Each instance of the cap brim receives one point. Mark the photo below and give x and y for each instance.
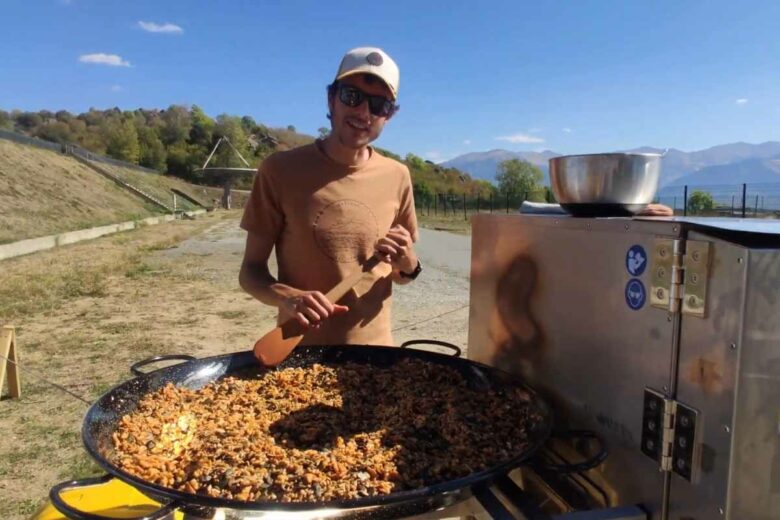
(371, 72)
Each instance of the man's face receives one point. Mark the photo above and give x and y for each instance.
(355, 127)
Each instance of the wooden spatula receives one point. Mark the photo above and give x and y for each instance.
(274, 347)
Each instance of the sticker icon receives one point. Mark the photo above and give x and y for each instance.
(635, 294)
(636, 260)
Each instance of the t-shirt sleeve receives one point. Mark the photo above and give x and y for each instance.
(407, 217)
(263, 212)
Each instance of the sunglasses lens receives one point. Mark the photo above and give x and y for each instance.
(379, 106)
(351, 97)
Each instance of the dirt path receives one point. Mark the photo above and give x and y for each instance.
(84, 313)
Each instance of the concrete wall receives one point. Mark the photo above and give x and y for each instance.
(33, 245)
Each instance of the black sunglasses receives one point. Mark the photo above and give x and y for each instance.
(379, 106)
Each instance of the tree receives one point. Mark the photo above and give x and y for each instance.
(122, 140)
(423, 194)
(6, 123)
(516, 177)
(230, 127)
(415, 162)
(176, 125)
(699, 202)
(151, 150)
(202, 129)
(291, 128)
(323, 131)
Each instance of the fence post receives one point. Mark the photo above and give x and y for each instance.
(674, 204)
(435, 204)
(465, 217)
(685, 201)
(507, 202)
(732, 206)
(744, 199)
(479, 196)
(491, 202)
(755, 213)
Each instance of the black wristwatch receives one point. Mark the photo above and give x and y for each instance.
(414, 274)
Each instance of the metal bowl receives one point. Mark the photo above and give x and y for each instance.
(605, 184)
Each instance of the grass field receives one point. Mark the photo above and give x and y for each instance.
(84, 313)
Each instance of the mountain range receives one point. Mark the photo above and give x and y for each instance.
(734, 163)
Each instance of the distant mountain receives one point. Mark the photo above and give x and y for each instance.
(484, 165)
(728, 163)
(751, 171)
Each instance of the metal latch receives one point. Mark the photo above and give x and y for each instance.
(680, 271)
(669, 434)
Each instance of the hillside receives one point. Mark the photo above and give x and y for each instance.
(44, 192)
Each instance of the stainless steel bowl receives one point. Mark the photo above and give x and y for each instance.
(605, 184)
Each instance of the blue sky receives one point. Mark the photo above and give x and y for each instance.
(574, 77)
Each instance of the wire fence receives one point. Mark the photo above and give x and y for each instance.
(68, 148)
(738, 200)
(757, 200)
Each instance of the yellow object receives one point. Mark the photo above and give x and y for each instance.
(113, 499)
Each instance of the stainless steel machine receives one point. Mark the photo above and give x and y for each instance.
(663, 335)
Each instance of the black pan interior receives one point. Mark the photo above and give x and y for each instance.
(102, 418)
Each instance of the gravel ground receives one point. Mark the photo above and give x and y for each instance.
(442, 287)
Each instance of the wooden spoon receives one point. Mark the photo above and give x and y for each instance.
(275, 346)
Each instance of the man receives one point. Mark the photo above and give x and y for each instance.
(330, 206)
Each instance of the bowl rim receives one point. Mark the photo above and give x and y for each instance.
(608, 154)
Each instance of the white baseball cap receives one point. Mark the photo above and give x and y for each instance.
(371, 60)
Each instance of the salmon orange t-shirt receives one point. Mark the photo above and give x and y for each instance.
(325, 218)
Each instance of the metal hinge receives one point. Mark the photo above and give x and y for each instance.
(680, 271)
(669, 434)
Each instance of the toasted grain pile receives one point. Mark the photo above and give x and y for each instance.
(322, 433)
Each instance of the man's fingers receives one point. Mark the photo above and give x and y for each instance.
(399, 239)
(302, 319)
(313, 305)
(324, 302)
(340, 309)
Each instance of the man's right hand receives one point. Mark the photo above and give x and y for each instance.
(310, 308)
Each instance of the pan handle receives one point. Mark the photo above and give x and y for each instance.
(55, 495)
(136, 366)
(456, 349)
(579, 467)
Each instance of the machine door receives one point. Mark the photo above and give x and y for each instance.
(729, 371)
(564, 302)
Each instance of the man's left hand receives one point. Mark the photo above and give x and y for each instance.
(395, 248)
(657, 210)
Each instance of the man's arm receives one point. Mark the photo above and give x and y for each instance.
(308, 307)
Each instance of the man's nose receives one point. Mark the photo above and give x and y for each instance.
(362, 109)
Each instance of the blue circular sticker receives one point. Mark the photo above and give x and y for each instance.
(636, 260)
(635, 294)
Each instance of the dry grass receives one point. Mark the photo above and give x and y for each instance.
(159, 186)
(84, 314)
(43, 193)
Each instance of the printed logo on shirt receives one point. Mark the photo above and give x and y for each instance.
(346, 230)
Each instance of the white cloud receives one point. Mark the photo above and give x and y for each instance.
(467, 142)
(116, 88)
(742, 101)
(520, 139)
(160, 28)
(567, 130)
(104, 59)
